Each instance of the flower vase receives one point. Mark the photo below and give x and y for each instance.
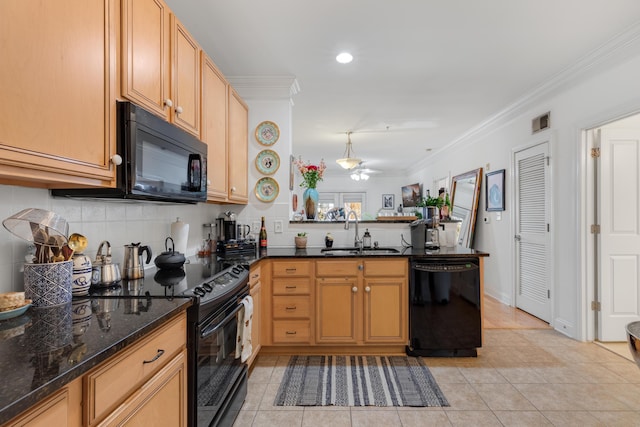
(310, 202)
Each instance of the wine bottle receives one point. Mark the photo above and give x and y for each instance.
(263, 235)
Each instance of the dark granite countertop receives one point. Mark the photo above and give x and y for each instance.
(316, 252)
(46, 348)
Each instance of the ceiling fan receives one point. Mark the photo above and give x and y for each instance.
(360, 173)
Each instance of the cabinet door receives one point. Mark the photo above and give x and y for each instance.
(57, 85)
(256, 294)
(338, 313)
(185, 75)
(214, 129)
(145, 54)
(161, 401)
(238, 146)
(385, 310)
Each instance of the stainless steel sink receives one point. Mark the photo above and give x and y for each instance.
(357, 251)
(380, 251)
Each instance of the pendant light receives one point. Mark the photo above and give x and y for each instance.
(348, 162)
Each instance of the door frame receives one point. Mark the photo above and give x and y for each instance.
(549, 137)
(585, 203)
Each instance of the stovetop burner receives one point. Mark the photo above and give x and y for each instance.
(208, 279)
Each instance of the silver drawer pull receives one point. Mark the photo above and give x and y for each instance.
(290, 308)
(158, 356)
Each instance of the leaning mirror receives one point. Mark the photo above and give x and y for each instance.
(465, 194)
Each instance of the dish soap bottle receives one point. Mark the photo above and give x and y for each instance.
(366, 239)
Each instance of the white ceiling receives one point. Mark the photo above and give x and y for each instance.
(424, 71)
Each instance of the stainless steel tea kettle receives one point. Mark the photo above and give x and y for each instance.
(104, 272)
(133, 267)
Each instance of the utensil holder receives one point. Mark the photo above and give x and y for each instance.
(48, 285)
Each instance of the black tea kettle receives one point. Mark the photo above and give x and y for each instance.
(170, 259)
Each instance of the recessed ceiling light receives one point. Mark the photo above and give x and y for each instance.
(344, 58)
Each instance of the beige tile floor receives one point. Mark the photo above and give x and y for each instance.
(522, 377)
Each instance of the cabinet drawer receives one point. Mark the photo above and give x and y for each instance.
(254, 276)
(291, 286)
(337, 268)
(291, 331)
(289, 307)
(291, 268)
(114, 380)
(394, 267)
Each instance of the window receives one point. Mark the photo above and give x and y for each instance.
(334, 206)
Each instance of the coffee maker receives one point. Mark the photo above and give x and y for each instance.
(425, 232)
(230, 240)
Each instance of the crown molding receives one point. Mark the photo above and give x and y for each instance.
(266, 87)
(622, 46)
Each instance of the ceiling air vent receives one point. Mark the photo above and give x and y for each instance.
(540, 123)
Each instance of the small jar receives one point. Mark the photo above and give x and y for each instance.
(328, 240)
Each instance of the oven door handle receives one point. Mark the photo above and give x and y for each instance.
(210, 331)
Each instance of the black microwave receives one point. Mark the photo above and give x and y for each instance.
(160, 162)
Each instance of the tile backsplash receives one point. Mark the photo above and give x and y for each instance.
(118, 222)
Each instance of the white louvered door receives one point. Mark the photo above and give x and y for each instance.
(618, 207)
(532, 234)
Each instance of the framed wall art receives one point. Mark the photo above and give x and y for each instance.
(388, 201)
(494, 190)
(411, 195)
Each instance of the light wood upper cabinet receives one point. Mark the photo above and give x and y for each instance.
(185, 73)
(160, 63)
(238, 134)
(57, 83)
(214, 129)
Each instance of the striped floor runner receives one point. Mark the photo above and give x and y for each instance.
(358, 381)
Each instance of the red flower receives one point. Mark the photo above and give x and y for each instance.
(312, 168)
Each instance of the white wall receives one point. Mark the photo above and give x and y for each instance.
(605, 89)
(118, 222)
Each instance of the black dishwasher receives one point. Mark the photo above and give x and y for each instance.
(444, 307)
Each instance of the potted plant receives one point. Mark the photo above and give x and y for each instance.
(430, 205)
(301, 240)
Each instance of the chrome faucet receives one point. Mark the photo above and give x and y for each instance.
(356, 241)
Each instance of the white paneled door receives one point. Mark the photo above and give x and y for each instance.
(618, 210)
(532, 237)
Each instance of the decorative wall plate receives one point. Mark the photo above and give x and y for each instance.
(267, 189)
(267, 133)
(268, 162)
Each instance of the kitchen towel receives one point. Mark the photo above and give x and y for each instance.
(245, 317)
(358, 381)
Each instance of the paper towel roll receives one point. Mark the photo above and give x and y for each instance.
(180, 234)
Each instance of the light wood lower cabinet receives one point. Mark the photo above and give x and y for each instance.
(256, 294)
(291, 302)
(125, 374)
(62, 408)
(361, 301)
(161, 401)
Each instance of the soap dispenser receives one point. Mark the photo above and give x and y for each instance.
(366, 239)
